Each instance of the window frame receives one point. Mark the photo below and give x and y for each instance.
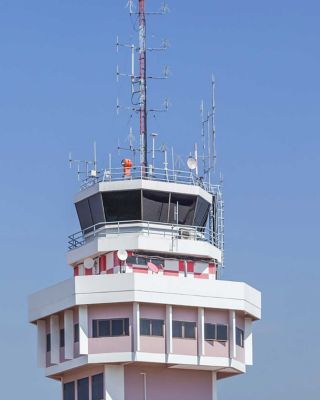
(240, 332)
(183, 330)
(151, 320)
(210, 324)
(217, 333)
(125, 327)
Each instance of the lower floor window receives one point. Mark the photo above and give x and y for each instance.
(151, 327)
(110, 327)
(183, 329)
(97, 387)
(239, 337)
(222, 332)
(68, 391)
(83, 389)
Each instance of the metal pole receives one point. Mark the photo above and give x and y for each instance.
(144, 385)
(143, 87)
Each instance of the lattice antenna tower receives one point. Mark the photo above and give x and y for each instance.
(208, 136)
(140, 78)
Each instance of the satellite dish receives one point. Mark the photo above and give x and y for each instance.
(122, 255)
(192, 163)
(88, 263)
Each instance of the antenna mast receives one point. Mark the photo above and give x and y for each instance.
(143, 86)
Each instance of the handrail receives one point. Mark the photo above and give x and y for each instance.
(157, 174)
(174, 231)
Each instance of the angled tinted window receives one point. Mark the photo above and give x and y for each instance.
(83, 389)
(84, 214)
(209, 331)
(96, 208)
(155, 206)
(68, 391)
(117, 327)
(201, 214)
(222, 332)
(122, 206)
(97, 387)
(182, 206)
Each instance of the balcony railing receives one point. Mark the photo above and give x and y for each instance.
(140, 172)
(146, 228)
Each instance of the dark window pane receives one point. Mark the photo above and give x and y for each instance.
(116, 327)
(83, 389)
(239, 337)
(132, 260)
(84, 214)
(201, 213)
(95, 328)
(155, 206)
(222, 332)
(96, 208)
(122, 205)
(186, 206)
(177, 329)
(126, 326)
(97, 387)
(61, 337)
(145, 327)
(68, 391)
(76, 333)
(209, 331)
(157, 327)
(103, 327)
(159, 262)
(189, 330)
(48, 342)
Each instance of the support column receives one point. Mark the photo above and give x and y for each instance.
(136, 327)
(42, 343)
(200, 331)
(83, 329)
(232, 334)
(68, 335)
(54, 339)
(248, 341)
(114, 382)
(214, 386)
(168, 329)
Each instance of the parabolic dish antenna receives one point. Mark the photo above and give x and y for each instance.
(122, 255)
(192, 163)
(88, 263)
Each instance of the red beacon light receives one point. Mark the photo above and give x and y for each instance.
(127, 165)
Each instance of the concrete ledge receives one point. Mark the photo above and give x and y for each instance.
(157, 289)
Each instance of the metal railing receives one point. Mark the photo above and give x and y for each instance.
(140, 172)
(147, 228)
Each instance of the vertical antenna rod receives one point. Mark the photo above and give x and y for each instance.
(143, 86)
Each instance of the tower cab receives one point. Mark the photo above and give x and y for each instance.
(156, 221)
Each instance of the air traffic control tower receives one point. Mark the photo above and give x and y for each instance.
(146, 314)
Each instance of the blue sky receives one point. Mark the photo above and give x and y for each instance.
(57, 93)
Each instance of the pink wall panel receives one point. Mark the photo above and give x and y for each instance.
(152, 344)
(169, 384)
(110, 344)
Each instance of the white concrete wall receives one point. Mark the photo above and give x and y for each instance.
(68, 335)
(114, 382)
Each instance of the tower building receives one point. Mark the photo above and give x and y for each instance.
(146, 314)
